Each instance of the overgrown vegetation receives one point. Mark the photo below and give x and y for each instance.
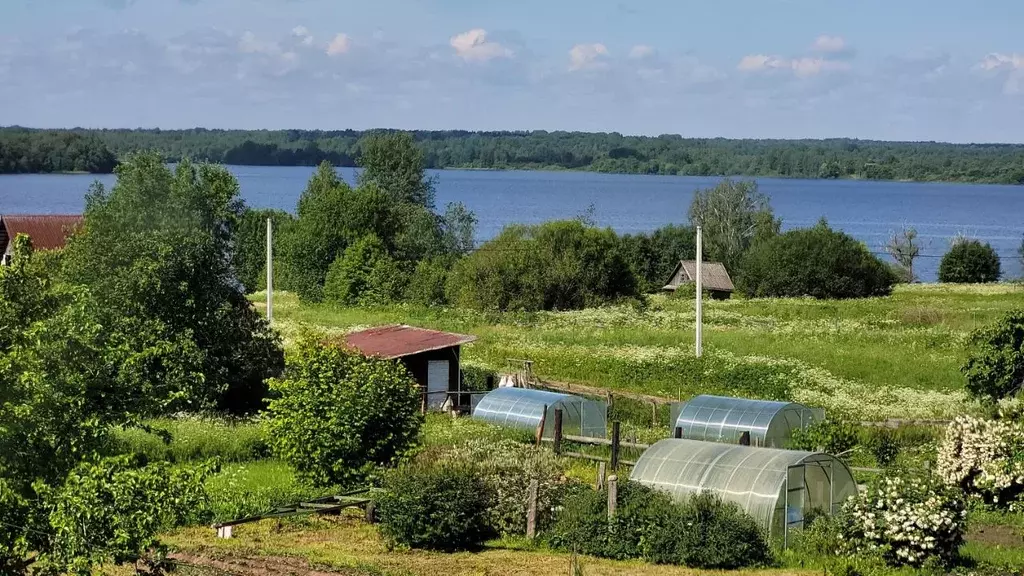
(995, 367)
(970, 262)
(818, 262)
(338, 415)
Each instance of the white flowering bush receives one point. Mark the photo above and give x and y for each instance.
(905, 520)
(985, 458)
(508, 467)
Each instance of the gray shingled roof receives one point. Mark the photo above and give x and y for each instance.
(713, 276)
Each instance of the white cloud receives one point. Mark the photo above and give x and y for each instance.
(250, 44)
(472, 46)
(641, 51)
(341, 44)
(829, 44)
(801, 67)
(303, 34)
(999, 61)
(583, 56)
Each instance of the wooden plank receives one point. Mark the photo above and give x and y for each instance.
(615, 446)
(613, 495)
(531, 510)
(599, 442)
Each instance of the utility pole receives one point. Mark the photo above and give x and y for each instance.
(700, 292)
(270, 271)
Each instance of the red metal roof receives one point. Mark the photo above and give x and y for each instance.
(399, 341)
(47, 232)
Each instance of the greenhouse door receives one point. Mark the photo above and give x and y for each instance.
(437, 382)
(796, 487)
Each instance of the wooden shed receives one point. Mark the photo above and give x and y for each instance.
(47, 231)
(714, 278)
(432, 357)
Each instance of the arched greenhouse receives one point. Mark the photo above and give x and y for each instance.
(523, 408)
(777, 487)
(723, 419)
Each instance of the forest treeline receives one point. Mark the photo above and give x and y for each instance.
(600, 152)
(44, 151)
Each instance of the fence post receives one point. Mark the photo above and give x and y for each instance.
(615, 446)
(558, 431)
(678, 432)
(600, 475)
(371, 513)
(490, 382)
(654, 413)
(531, 510)
(613, 494)
(610, 401)
(745, 438)
(540, 427)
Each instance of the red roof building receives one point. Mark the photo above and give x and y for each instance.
(432, 357)
(48, 232)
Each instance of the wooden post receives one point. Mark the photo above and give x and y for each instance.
(558, 431)
(654, 413)
(600, 475)
(613, 494)
(678, 432)
(531, 510)
(540, 427)
(745, 438)
(371, 513)
(610, 401)
(615, 446)
(490, 381)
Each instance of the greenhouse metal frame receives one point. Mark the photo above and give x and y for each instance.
(724, 419)
(778, 488)
(524, 407)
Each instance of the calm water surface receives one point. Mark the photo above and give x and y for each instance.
(869, 211)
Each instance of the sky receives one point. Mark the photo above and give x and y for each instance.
(945, 70)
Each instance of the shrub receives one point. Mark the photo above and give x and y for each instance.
(701, 532)
(508, 467)
(831, 436)
(653, 256)
(906, 520)
(970, 262)
(818, 262)
(884, 446)
(340, 414)
(984, 458)
(706, 532)
(562, 265)
(426, 286)
(365, 275)
(111, 512)
(434, 506)
(995, 367)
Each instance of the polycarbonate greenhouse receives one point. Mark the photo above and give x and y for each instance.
(523, 407)
(722, 419)
(777, 487)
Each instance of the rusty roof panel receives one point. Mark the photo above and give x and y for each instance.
(401, 340)
(47, 232)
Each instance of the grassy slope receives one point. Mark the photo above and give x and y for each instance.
(870, 359)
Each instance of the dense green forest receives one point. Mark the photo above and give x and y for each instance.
(601, 152)
(34, 151)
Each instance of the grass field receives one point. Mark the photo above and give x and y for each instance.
(894, 357)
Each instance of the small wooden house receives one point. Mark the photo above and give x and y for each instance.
(431, 357)
(714, 278)
(47, 232)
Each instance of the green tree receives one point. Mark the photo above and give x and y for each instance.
(393, 162)
(995, 367)
(331, 216)
(654, 256)
(818, 262)
(338, 415)
(364, 275)
(251, 249)
(970, 262)
(561, 265)
(157, 253)
(427, 283)
(458, 228)
(732, 215)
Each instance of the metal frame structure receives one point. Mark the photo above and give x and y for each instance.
(724, 419)
(526, 407)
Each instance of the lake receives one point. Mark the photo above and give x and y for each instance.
(868, 210)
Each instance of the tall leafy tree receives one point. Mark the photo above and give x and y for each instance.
(157, 253)
(733, 216)
(394, 163)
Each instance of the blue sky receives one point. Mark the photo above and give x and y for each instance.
(894, 69)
